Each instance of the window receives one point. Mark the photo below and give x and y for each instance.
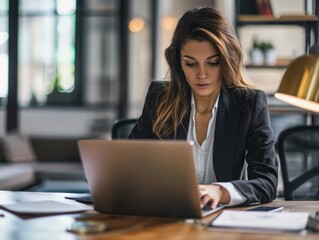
(46, 52)
(66, 56)
(3, 49)
(69, 53)
(140, 55)
(99, 23)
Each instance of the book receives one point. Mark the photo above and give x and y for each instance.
(264, 7)
(283, 221)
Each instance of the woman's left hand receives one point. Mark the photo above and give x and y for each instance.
(213, 195)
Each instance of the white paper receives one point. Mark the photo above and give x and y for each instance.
(45, 207)
(291, 221)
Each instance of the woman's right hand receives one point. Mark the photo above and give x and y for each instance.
(213, 195)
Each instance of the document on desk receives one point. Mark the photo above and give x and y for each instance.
(45, 207)
(286, 221)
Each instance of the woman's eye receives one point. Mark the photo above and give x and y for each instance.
(213, 63)
(190, 64)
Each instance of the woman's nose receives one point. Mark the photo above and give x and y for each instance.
(201, 74)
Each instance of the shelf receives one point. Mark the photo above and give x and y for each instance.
(283, 20)
(266, 66)
(281, 63)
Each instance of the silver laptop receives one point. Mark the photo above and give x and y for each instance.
(135, 177)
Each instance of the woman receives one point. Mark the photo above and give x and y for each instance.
(209, 101)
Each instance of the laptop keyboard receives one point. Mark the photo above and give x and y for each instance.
(207, 210)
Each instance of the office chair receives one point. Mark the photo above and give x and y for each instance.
(122, 128)
(298, 150)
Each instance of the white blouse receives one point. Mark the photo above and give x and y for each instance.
(203, 155)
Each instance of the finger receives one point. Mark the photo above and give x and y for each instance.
(204, 200)
(214, 203)
(203, 192)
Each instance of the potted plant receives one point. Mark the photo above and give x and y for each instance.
(256, 54)
(269, 52)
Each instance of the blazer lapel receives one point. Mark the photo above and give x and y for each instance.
(225, 135)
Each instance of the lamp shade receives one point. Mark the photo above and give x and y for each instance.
(300, 83)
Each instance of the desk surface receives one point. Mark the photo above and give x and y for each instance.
(14, 226)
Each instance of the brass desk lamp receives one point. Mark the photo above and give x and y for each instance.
(300, 83)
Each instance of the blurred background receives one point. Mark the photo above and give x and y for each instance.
(78, 65)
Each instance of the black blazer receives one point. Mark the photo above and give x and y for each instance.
(242, 132)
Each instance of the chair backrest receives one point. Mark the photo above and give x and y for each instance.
(298, 150)
(122, 128)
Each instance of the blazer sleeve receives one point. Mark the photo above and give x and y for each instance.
(262, 163)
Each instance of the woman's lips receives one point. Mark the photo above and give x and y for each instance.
(202, 85)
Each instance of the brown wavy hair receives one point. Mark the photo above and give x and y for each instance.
(201, 24)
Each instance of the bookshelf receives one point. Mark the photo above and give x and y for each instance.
(249, 21)
(249, 14)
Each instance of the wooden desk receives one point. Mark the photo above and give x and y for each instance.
(127, 227)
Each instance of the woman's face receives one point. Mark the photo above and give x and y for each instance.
(201, 65)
